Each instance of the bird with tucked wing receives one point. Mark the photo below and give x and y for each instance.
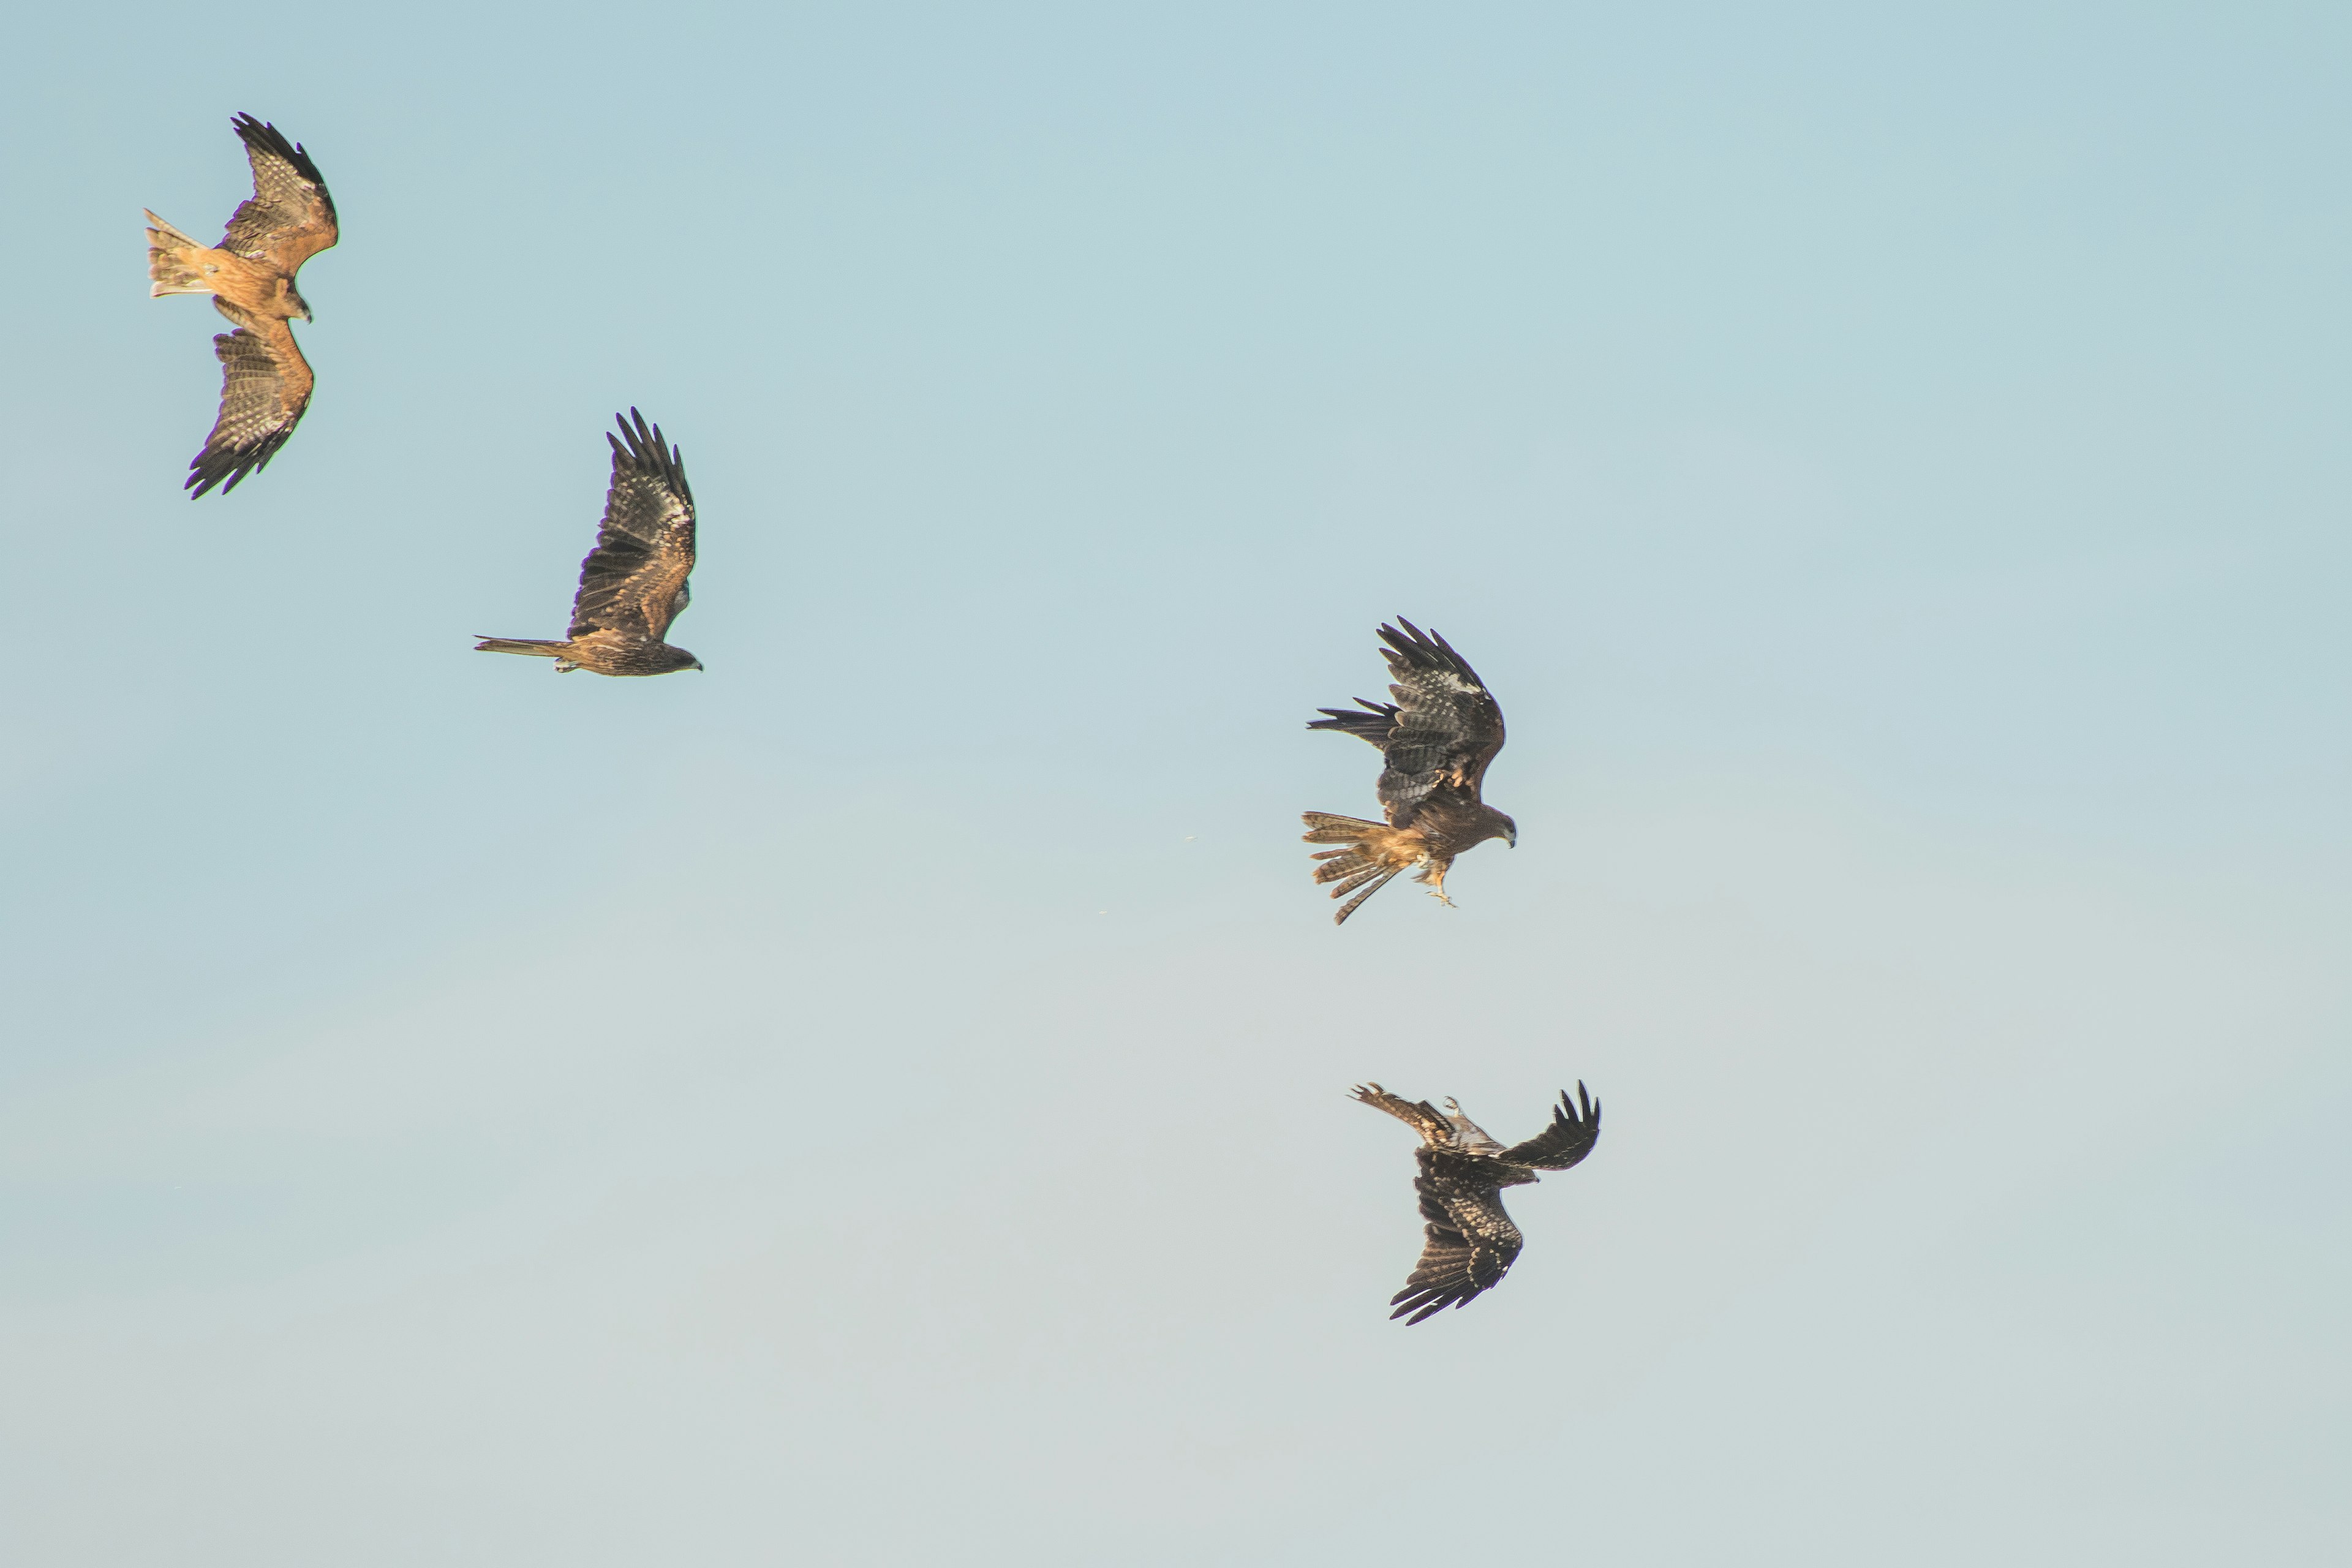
(633, 584)
(1435, 740)
(1469, 1243)
(265, 381)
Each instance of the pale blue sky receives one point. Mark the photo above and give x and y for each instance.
(883, 1099)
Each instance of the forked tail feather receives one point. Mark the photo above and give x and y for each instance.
(534, 647)
(169, 270)
(1349, 908)
(1351, 866)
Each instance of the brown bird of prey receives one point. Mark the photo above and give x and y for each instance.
(633, 585)
(265, 381)
(1435, 741)
(1470, 1242)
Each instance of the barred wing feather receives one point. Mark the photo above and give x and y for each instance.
(265, 386)
(290, 218)
(635, 579)
(1447, 726)
(1467, 1245)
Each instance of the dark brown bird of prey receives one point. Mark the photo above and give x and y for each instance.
(633, 585)
(1470, 1242)
(1435, 741)
(265, 381)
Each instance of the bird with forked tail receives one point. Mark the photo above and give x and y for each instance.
(1435, 740)
(265, 381)
(633, 584)
(1468, 1243)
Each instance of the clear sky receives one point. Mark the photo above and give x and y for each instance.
(884, 1100)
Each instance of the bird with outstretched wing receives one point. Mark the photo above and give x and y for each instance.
(1468, 1241)
(633, 584)
(1435, 741)
(265, 381)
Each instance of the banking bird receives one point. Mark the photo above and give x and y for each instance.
(1435, 741)
(633, 585)
(1469, 1243)
(265, 381)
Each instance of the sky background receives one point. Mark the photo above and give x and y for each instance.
(884, 1100)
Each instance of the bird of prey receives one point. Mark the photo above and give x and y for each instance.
(265, 381)
(633, 585)
(1470, 1242)
(1435, 741)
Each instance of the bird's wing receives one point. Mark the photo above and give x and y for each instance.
(1373, 724)
(1468, 1243)
(1447, 726)
(290, 218)
(265, 386)
(635, 580)
(1569, 1138)
(1418, 1114)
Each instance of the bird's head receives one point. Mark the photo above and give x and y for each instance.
(299, 306)
(1507, 830)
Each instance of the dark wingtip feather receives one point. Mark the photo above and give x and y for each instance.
(645, 452)
(1348, 722)
(233, 464)
(254, 132)
(1427, 649)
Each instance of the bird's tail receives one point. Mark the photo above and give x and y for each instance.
(1325, 827)
(175, 263)
(530, 646)
(1360, 863)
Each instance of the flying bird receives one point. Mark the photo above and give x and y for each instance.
(633, 585)
(264, 380)
(1470, 1242)
(1435, 740)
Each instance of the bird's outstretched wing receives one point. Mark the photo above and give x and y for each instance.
(1468, 1243)
(290, 218)
(265, 387)
(1418, 1114)
(1447, 726)
(635, 580)
(1569, 1138)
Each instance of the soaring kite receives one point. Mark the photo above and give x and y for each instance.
(1470, 1242)
(265, 381)
(633, 585)
(1435, 741)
